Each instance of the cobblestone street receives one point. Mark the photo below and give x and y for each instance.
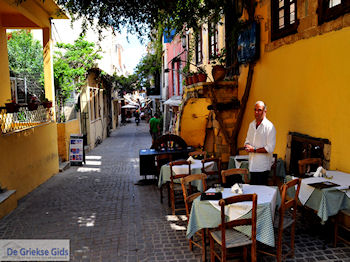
(109, 218)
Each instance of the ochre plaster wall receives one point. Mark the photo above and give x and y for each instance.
(306, 88)
(5, 90)
(64, 130)
(28, 158)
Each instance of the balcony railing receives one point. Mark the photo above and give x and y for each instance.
(23, 119)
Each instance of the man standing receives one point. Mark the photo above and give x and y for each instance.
(260, 143)
(154, 127)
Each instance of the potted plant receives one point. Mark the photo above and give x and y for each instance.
(202, 75)
(46, 103)
(218, 61)
(33, 104)
(12, 107)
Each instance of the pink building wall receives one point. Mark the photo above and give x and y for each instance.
(175, 50)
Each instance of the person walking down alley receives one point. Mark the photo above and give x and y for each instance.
(260, 143)
(154, 127)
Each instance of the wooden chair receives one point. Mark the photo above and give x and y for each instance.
(274, 170)
(286, 218)
(237, 172)
(198, 154)
(189, 197)
(162, 159)
(175, 189)
(342, 220)
(212, 173)
(227, 237)
(307, 162)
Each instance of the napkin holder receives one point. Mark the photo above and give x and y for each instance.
(211, 196)
(191, 159)
(321, 172)
(237, 189)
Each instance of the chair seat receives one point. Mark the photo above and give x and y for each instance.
(233, 238)
(287, 221)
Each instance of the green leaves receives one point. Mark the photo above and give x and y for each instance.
(71, 64)
(26, 57)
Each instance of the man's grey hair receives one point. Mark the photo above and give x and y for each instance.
(261, 103)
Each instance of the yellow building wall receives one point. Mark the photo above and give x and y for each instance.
(194, 120)
(305, 86)
(64, 130)
(5, 90)
(28, 158)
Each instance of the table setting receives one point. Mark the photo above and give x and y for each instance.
(206, 213)
(326, 192)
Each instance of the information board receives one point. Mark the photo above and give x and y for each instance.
(76, 149)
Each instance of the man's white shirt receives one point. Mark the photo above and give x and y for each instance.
(263, 136)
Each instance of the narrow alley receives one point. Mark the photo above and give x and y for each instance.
(98, 207)
(109, 218)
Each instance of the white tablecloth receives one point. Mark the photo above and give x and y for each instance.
(183, 169)
(265, 195)
(340, 178)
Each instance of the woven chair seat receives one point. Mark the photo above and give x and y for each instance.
(287, 221)
(233, 238)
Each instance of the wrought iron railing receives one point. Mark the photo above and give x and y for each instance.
(24, 118)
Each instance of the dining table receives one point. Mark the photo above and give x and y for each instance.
(196, 168)
(206, 213)
(326, 195)
(242, 161)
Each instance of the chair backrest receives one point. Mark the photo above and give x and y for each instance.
(187, 192)
(274, 169)
(240, 221)
(235, 171)
(212, 172)
(173, 175)
(288, 203)
(163, 159)
(198, 154)
(308, 161)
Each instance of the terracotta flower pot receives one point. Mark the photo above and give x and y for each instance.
(32, 106)
(202, 77)
(47, 104)
(12, 107)
(218, 72)
(195, 78)
(190, 80)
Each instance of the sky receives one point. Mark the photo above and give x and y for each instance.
(133, 50)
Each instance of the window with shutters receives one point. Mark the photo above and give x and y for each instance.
(283, 18)
(213, 39)
(331, 9)
(199, 50)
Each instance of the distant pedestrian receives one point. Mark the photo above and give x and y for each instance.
(154, 127)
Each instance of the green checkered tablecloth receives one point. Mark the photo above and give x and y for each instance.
(280, 170)
(205, 215)
(164, 176)
(327, 201)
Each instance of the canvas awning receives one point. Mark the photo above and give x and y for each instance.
(173, 101)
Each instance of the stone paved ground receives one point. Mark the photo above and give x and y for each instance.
(109, 218)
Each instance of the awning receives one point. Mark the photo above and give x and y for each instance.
(173, 101)
(130, 106)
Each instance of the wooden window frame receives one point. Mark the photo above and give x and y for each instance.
(213, 38)
(288, 29)
(92, 108)
(326, 14)
(199, 48)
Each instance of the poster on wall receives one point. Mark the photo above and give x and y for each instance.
(76, 149)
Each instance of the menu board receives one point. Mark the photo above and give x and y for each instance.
(76, 149)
